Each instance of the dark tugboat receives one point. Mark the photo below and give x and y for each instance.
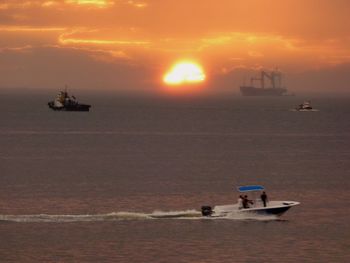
(64, 102)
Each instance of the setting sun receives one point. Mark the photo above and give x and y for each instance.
(184, 73)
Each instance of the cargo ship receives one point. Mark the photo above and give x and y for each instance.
(270, 85)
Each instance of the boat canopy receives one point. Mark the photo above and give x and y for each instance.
(249, 188)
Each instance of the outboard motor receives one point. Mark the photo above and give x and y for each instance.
(207, 211)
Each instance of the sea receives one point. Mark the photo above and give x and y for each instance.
(126, 181)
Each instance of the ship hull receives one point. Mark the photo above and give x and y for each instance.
(75, 107)
(253, 91)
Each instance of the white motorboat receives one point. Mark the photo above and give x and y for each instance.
(251, 202)
(305, 106)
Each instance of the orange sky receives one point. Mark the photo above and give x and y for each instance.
(129, 44)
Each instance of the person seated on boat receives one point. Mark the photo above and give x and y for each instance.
(246, 202)
(263, 197)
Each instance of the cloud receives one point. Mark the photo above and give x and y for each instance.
(327, 79)
(66, 41)
(223, 35)
(100, 4)
(12, 28)
(138, 4)
(324, 80)
(217, 48)
(51, 68)
(26, 48)
(255, 54)
(110, 57)
(94, 3)
(18, 4)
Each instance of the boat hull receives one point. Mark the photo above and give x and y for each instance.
(276, 208)
(278, 211)
(306, 110)
(298, 110)
(254, 91)
(74, 107)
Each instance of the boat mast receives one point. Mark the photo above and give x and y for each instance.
(262, 79)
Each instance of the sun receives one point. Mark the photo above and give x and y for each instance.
(185, 72)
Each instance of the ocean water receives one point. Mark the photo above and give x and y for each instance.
(124, 182)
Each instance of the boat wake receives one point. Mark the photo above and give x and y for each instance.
(72, 218)
(120, 216)
(114, 216)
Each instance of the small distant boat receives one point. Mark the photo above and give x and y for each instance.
(64, 102)
(255, 206)
(305, 106)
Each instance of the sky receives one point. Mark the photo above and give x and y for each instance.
(129, 45)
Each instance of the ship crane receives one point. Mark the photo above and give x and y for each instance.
(272, 77)
(273, 87)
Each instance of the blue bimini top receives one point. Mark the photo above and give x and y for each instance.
(250, 188)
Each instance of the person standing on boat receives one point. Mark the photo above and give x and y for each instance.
(240, 202)
(263, 197)
(245, 202)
